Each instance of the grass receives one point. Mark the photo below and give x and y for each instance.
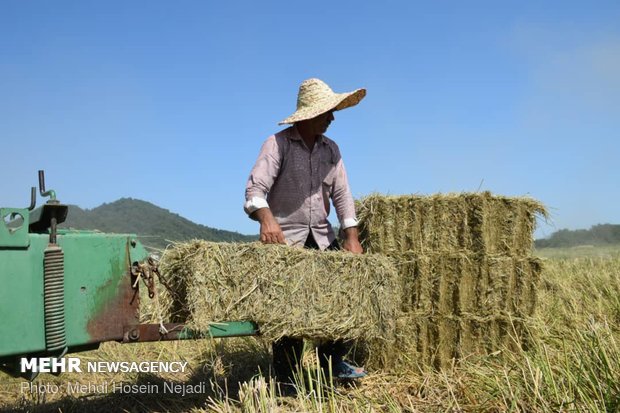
(569, 362)
(582, 251)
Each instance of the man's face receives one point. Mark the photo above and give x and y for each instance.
(322, 122)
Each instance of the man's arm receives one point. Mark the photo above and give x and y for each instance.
(270, 231)
(345, 209)
(259, 184)
(351, 241)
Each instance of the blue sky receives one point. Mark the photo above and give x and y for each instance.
(170, 101)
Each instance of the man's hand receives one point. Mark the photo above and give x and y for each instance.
(351, 241)
(270, 231)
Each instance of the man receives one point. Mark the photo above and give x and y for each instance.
(298, 171)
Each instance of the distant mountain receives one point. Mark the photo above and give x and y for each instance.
(602, 234)
(154, 226)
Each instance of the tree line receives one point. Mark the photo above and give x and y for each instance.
(601, 234)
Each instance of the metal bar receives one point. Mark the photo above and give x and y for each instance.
(33, 198)
(53, 228)
(51, 193)
(178, 331)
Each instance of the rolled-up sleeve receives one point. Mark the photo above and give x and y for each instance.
(262, 176)
(342, 198)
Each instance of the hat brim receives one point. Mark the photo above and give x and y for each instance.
(338, 102)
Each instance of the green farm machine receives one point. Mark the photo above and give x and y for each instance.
(64, 291)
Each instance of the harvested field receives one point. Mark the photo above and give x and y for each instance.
(287, 291)
(571, 364)
(478, 223)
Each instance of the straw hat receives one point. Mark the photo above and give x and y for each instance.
(315, 98)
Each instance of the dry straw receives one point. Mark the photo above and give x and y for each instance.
(462, 280)
(468, 284)
(458, 305)
(287, 291)
(468, 281)
(467, 222)
(315, 97)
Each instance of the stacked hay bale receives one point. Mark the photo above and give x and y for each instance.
(468, 279)
(287, 291)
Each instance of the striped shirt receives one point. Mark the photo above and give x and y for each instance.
(297, 185)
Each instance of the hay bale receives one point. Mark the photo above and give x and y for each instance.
(469, 222)
(438, 342)
(455, 306)
(457, 284)
(287, 291)
(468, 281)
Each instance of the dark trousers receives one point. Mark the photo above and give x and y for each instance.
(287, 351)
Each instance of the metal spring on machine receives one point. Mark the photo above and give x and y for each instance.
(54, 298)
